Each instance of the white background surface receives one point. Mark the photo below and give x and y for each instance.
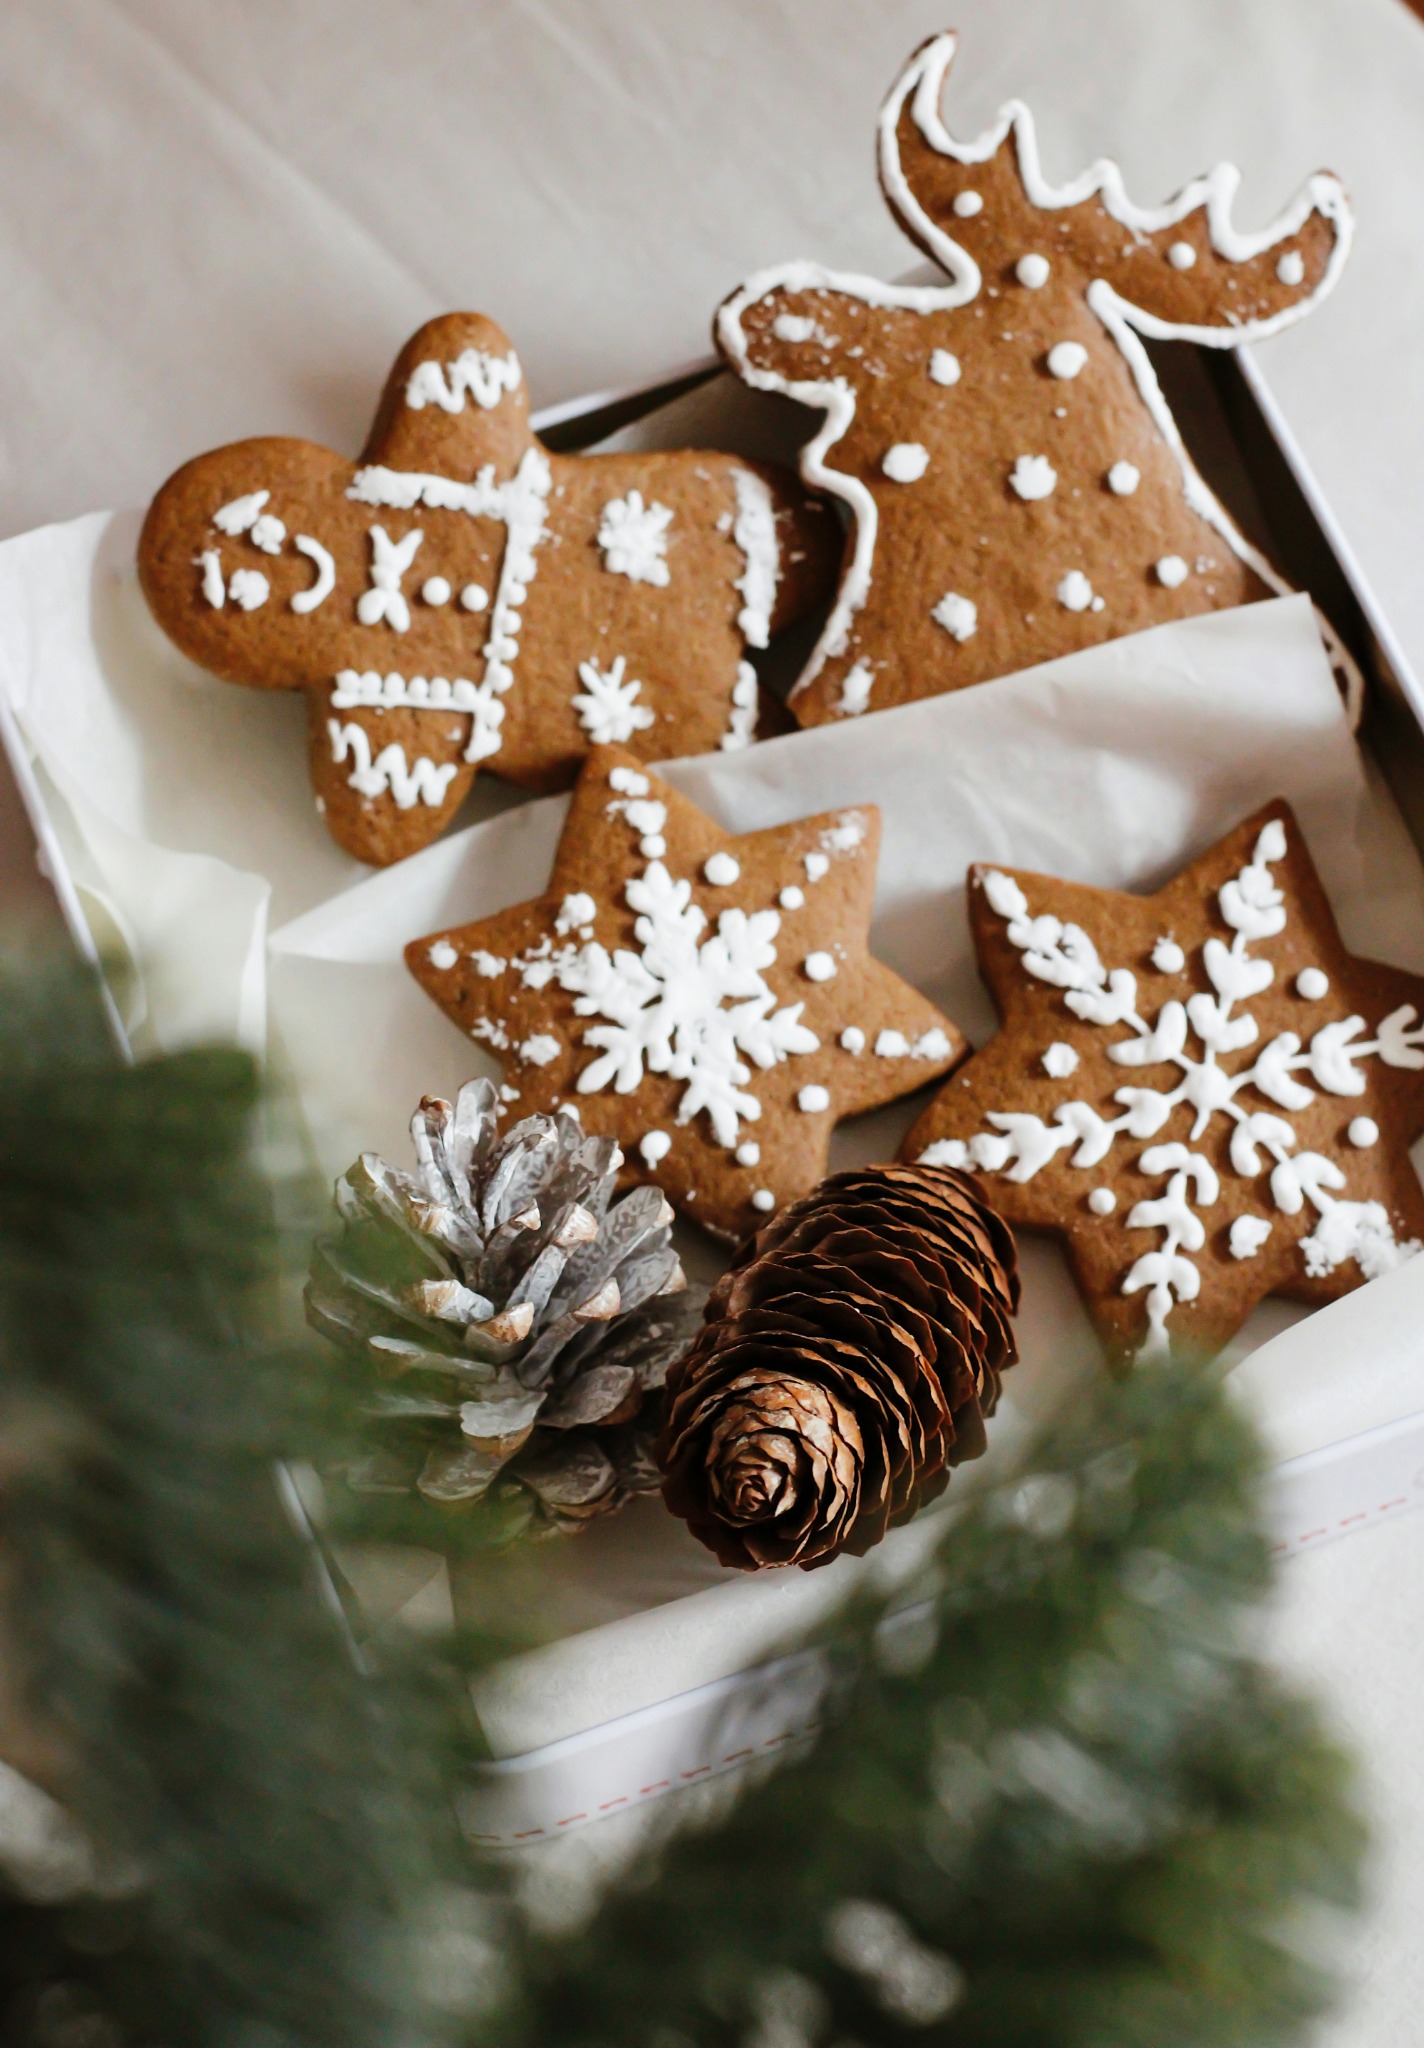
(222, 217)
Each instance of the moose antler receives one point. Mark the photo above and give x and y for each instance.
(1019, 486)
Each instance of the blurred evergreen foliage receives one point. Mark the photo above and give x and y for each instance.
(1058, 1801)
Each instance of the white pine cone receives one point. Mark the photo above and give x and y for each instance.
(517, 1319)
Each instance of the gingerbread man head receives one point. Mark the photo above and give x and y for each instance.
(1018, 484)
(464, 595)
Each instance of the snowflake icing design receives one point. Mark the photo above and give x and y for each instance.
(1020, 1145)
(633, 537)
(607, 705)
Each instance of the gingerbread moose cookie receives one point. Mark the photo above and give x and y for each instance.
(463, 595)
(1201, 1091)
(1018, 486)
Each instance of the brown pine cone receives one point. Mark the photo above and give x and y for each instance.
(847, 1359)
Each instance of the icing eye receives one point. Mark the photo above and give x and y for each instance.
(474, 597)
(435, 590)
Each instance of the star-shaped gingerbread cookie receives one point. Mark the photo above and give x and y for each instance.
(464, 595)
(707, 999)
(1201, 1092)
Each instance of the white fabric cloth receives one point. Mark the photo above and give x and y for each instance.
(224, 220)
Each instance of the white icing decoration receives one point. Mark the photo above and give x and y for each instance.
(268, 533)
(855, 691)
(1123, 479)
(1033, 271)
(1312, 984)
(214, 587)
(1067, 359)
(654, 1147)
(816, 866)
(576, 914)
(754, 531)
(1102, 1201)
(1060, 1061)
(1182, 256)
(764, 1200)
(1168, 957)
(944, 365)
(1247, 1235)
(442, 955)
(1172, 572)
(893, 1045)
(852, 1039)
(793, 327)
(846, 834)
(748, 1153)
(742, 719)
(389, 561)
(633, 537)
(481, 376)
(628, 782)
(324, 583)
(1033, 476)
(921, 87)
(691, 1006)
(906, 462)
(422, 781)
(474, 598)
(1021, 1143)
(819, 967)
(1291, 268)
(248, 589)
(967, 204)
(421, 693)
(435, 590)
(539, 1050)
(958, 615)
(1075, 592)
(791, 898)
(721, 870)
(1363, 1132)
(813, 1098)
(487, 964)
(240, 515)
(607, 706)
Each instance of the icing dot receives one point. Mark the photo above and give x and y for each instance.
(944, 367)
(816, 865)
(268, 533)
(1168, 957)
(967, 204)
(653, 845)
(1182, 256)
(1067, 359)
(764, 1200)
(1102, 1201)
(474, 597)
(813, 1098)
(539, 1049)
(1172, 572)
(1247, 1235)
(1291, 268)
(853, 1039)
(1060, 1060)
(435, 590)
(248, 588)
(721, 870)
(819, 967)
(792, 898)
(1312, 984)
(748, 1153)
(628, 782)
(654, 1146)
(1033, 476)
(906, 462)
(1075, 592)
(1364, 1132)
(793, 327)
(1032, 271)
(1123, 479)
(442, 955)
(958, 615)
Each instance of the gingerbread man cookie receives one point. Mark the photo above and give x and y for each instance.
(709, 1000)
(463, 595)
(1201, 1092)
(1018, 486)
